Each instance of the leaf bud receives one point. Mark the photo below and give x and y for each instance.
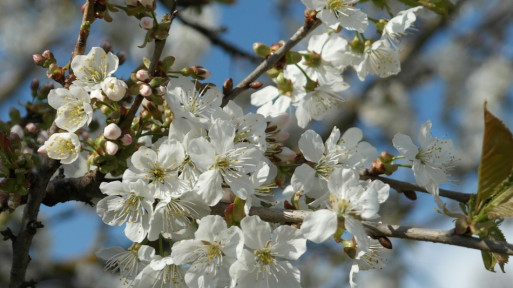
(256, 85)
(261, 49)
(227, 86)
(385, 242)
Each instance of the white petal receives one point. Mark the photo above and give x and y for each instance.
(319, 225)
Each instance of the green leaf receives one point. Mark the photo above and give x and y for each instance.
(496, 161)
(495, 234)
(146, 62)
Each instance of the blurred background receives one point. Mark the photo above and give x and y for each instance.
(450, 66)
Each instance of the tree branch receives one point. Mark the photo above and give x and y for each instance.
(272, 60)
(401, 186)
(374, 229)
(29, 224)
(215, 40)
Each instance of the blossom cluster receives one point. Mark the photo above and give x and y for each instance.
(94, 80)
(210, 153)
(315, 86)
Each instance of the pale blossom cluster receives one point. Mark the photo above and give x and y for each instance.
(314, 86)
(94, 80)
(216, 154)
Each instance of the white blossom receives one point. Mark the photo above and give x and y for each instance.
(264, 263)
(210, 254)
(93, 68)
(431, 162)
(62, 146)
(73, 107)
(129, 203)
(159, 169)
(114, 88)
(379, 59)
(334, 13)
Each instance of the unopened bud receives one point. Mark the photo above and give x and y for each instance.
(410, 195)
(196, 72)
(112, 131)
(111, 148)
(142, 75)
(42, 150)
(146, 23)
(34, 85)
(281, 136)
(385, 242)
(145, 90)
(227, 86)
(286, 154)
(256, 85)
(31, 127)
(160, 90)
(114, 88)
(126, 139)
(48, 54)
(121, 57)
(38, 59)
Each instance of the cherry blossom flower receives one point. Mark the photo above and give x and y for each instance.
(222, 160)
(129, 203)
(73, 107)
(379, 59)
(93, 68)
(398, 25)
(62, 146)
(129, 262)
(431, 162)
(159, 169)
(265, 261)
(210, 254)
(374, 258)
(186, 101)
(114, 88)
(161, 272)
(174, 218)
(334, 13)
(350, 200)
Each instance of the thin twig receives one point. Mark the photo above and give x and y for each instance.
(216, 40)
(157, 52)
(268, 63)
(405, 186)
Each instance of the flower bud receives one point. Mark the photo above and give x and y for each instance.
(142, 75)
(48, 54)
(286, 154)
(227, 86)
(111, 148)
(31, 127)
(196, 72)
(126, 139)
(256, 85)
(281, 136)
(38, 59)
(98, 95)
(160, 90)
(112, 131)
(146, 23)
(114, 88)
(145, 90)
(17, 130)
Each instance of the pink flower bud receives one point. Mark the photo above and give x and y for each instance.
(145, 90)
(112, 131)
(282, 136)
(286, 154)
(142, 74)
(146, 23)
(42, 150)
(48, 54)
(126, 139)
(31, 127)
(111, 148)
(38, 59)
